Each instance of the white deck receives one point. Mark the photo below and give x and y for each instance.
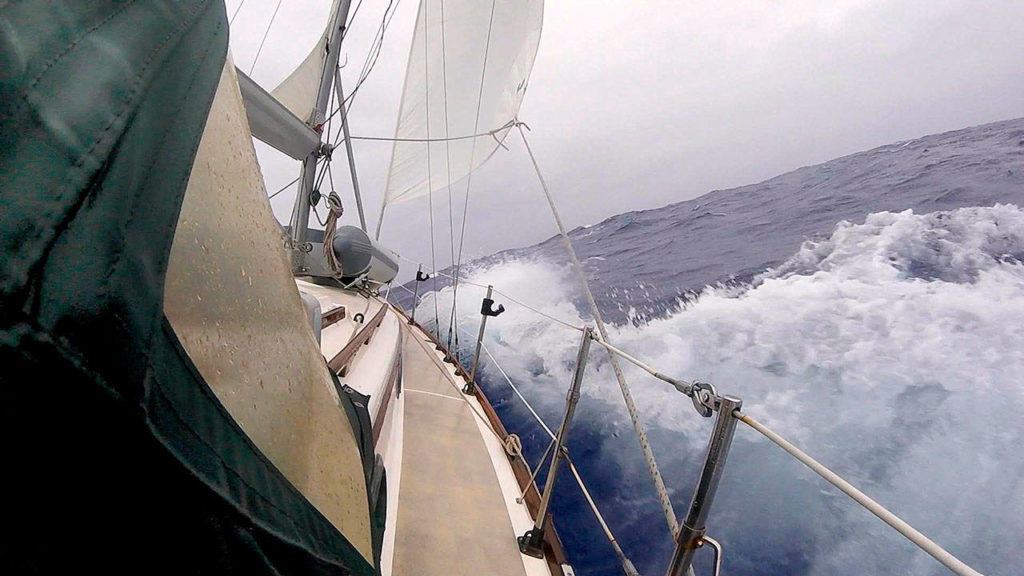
(457, 509)
(452, 493)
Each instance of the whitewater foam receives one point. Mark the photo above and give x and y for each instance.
(891, 351)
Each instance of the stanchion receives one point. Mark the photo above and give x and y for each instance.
(532, 542)
(486, 309)
(691, 529)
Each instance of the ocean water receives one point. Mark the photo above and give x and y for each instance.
(869, 309)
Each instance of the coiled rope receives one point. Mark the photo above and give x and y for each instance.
(334, 212)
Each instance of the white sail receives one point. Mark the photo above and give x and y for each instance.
(299, 90)
(467, 74)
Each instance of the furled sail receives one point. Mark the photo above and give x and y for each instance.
(299, 90)
(467, 74)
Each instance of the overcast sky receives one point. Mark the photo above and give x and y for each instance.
(635, 105)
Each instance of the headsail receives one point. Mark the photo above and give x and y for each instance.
(299, 90)
(467, 74)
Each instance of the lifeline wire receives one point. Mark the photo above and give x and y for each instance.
(682, 386)
(623, 559)
(897, 523)
(544, 314)
(627, 396)
(501, 292)
(906, 530)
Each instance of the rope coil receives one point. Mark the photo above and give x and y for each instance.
(334, 212)
(513, 445)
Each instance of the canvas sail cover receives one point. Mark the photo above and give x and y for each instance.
(468, 69)
(298, 91)
(119, 456)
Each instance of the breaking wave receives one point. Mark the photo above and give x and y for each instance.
(892, 351)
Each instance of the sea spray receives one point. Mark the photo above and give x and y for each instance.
(890, 350)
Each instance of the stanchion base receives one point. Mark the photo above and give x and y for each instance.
(532, 543)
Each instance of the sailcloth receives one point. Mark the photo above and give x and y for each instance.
(299, 90)
(469, 65)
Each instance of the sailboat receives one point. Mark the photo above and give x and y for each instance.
(212, 392)
(190, 387)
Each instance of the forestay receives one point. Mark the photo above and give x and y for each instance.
(468, 69)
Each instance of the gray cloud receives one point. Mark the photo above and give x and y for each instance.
(637, 104)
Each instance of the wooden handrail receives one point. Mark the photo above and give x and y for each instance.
(520, 468)
(332, 316)
(394, 379)
(339, 364)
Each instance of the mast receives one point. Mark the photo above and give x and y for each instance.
(299, 222)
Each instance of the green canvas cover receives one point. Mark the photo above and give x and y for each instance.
(117, 457)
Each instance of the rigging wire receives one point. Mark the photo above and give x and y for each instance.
(906, 530)
(430, 180)
(371, 56)
(453, 323)
(237, 10)
(506, 126)
(265, 34)
(283, 188)
(472, 154)
(627, 396)
(351, 19)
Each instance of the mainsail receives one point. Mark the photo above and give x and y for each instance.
(467, 74)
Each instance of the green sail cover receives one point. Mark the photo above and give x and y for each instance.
(117, 457)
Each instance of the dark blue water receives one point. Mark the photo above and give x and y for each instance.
(873, 343)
